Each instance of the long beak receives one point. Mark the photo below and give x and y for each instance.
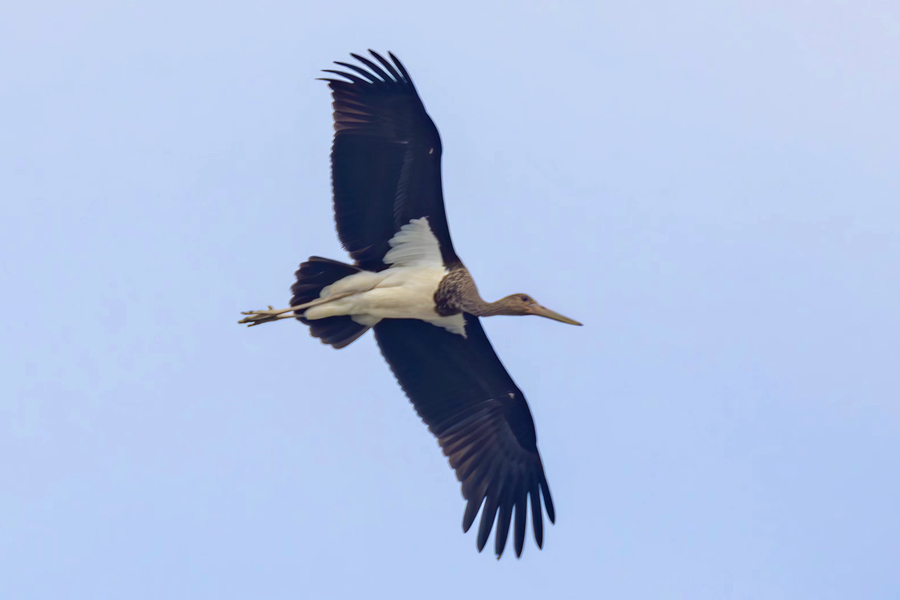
(540, 311)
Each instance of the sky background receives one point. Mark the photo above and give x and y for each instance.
(712, 188)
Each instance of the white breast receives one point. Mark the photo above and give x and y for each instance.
(403, 291)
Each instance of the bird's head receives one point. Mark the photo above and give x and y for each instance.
(523, 304)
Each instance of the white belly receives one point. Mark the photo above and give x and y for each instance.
(395, 293)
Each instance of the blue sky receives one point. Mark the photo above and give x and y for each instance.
(712, 190)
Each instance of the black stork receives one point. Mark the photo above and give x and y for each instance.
(408, 284)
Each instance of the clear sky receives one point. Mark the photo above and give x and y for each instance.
(712, 188)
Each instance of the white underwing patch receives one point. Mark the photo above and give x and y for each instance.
(367, 320)
(455, 324)
(414, 246)
(405, 290)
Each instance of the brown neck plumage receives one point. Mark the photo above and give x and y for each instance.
(458, 291)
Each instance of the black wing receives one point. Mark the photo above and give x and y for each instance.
(461, 390)
(385, 161)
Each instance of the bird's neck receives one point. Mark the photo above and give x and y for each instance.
(460, 286)
(490, 309)
(458, 290)
(478, 306)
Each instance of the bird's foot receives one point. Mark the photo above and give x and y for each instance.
(258, 317)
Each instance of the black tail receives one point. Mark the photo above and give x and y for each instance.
(313, 275)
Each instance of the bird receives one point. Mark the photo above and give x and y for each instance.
(407, 283)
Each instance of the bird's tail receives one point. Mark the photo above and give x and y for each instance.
(312, 276)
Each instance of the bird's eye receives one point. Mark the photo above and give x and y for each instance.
(526, 299)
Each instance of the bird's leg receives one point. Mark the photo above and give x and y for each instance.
(258, 317)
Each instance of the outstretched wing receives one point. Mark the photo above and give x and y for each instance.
(463, 393)
(385, 161)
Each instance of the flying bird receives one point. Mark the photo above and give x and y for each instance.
(408, 284)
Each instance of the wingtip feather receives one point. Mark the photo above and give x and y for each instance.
(548, 501)
(385, 78)
(472, 507)
(488, 514)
